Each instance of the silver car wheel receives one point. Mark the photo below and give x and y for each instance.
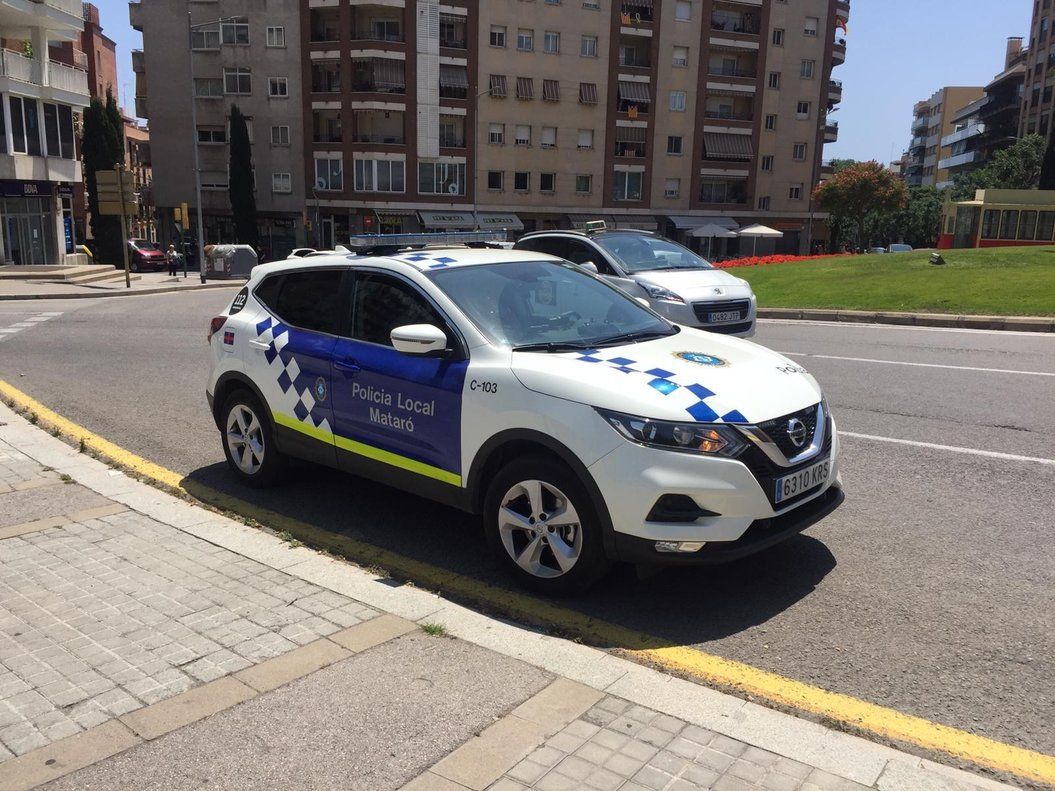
(540, 529)
(245, 439)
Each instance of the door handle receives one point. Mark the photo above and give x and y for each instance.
(259, 344)
(347, 364)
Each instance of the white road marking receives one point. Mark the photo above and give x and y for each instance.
(32, 321)
(863, 325)
(916, 365)
(992, 454)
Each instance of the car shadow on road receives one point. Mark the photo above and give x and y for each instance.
(374, 525)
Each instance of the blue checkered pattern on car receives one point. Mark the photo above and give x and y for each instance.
(296, 386)
(700, 403)
(431, 260)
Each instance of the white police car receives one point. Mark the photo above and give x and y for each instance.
(583, 427)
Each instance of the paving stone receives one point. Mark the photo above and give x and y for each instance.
(775, 781)
(745, 770)
(527, 771)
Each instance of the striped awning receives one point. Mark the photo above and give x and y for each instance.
(551, 90)
(388, 73)
(717, 145)
(588, 92)
(634, 91)
(637, 3)
(453, 76)
(498, 86)
(631, 134)
(525, 88)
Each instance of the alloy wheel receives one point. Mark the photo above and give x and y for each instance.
(540, 529)
(245, 439)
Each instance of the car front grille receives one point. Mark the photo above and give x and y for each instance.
(777, 430)
(703, 310)
(766, 472)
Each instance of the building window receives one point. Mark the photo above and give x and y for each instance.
(1008, 224)
(58, 131)
(802, 110)
(498, 36)
(584, 184)
(235, 31)
(771, 123)
(276, 37)
(549, 137)
(208, 87)
(795, 192)
(237, 81)
(441, 178)
(523, 135)
(212, 135)
(277, 87)
(525, 40)
(681, 57)
(763, 203)
(550, 91)
(1027, 226)
(674, 144)
(551, 42)
(585, 139)
(521, 181)
(495, 180)
(810, 28)
(496, 134)
(205, 39)
(807, 69)
(991, 224)
(798, 151)
(452, 131)
(683, 10)
(281, 182)
(778, 37)
(677, 101)
(672, 188)
(329, 174)
(588, 47)
(767, 162)
(587, 93)
(25, 126)
(774, 80)
(280, 135)
(627, 185)
(498, 86)
(380, 175)
(547, 182)
(525, 88)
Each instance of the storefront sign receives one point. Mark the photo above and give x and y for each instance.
(26, 189)
(67, 226)
(65, 190)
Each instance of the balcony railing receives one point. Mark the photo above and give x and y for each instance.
(730, 115)
(369, 86)
(730, 24)
(378, 138)
(453, 42)
(71, 7)
(731, 71)
(18, 67)
(635, 62)
(378, 35)
(67, 78)
(631, 150)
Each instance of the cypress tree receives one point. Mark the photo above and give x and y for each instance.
(102, 147)
(241, 188)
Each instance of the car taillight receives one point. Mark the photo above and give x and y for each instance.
(215, 326)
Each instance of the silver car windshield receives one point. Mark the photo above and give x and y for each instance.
(636, 252)
(547, 306)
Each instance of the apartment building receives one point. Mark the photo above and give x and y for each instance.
(100, 54)
(227, 52)
(987, 124)
(1037, 103)
(932, 120)
(422, 115)
(41, 90)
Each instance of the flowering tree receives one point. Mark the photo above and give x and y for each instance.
(860, 190)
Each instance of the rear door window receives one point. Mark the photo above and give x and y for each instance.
(309, 300)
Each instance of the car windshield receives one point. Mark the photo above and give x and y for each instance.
(547, 306)
(637, 252)
(143, 244)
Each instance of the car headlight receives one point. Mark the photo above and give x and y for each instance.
(714, 439)
(663, 294)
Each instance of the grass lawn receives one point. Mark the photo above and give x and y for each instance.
(1008, 281)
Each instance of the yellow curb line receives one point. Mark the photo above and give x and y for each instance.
(859, 715)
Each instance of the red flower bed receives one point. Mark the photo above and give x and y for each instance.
(765, 260)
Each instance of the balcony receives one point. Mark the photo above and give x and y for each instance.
(959, 160)
(326, 126)
(723, 192)
(378, 75)
(635, 52)
(727, 67)
(730, 19)
(377, 23)
(835, 91)
(831, 131)
(379, 127)
(324, 26)
(839, 52)
(453, 31)
(971, 130)
(452, 131)
(325, 77)
(139, 64)
(62, 77)
(135, 15)
(18, 67)
(636, 13)
(66, 78)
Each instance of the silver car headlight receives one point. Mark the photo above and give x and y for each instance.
(715, 439)
(662, 294)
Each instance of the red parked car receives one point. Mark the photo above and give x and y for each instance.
(144, 256)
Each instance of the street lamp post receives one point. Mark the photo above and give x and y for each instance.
(194, 133)
(476, 156)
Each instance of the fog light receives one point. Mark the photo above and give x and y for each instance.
(679, 546)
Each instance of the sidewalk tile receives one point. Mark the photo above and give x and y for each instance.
(65, 756)
(373, 632)
(276, 672)
(193, 705)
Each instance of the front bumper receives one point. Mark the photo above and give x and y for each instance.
(689, 314)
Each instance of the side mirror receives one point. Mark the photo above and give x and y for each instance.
(589, 266)
(419, 339)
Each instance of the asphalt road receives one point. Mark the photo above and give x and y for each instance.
(932, 591)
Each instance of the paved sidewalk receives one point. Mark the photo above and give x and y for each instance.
(148, 643)
(144, 283)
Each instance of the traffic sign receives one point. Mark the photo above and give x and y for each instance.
(114, 207)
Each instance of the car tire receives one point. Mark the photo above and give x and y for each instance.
(134, 265)
(521, 526)
(248, 440)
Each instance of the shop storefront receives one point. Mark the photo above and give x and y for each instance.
(37, 222)
(999, 218)
(439, 221)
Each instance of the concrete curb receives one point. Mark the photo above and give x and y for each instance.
(125, 293)
(850, 757)
(1004, 323)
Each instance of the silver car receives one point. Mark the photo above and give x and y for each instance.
(677, 283)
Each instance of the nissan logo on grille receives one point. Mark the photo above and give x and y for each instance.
(797, 432)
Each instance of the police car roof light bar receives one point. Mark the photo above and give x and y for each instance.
(596, 226)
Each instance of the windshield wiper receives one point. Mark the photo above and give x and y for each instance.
(633, 337)
(553, 346)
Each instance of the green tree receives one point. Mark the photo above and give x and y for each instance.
(1017, 167)
(841, 164)
(860, 190)
(241, 189)
(102, 147)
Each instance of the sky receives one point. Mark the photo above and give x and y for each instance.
(898, 52)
